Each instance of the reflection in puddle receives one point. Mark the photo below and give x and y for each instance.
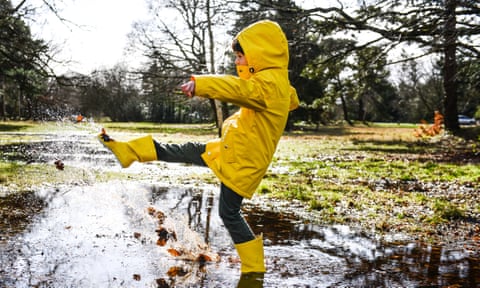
(104, 236)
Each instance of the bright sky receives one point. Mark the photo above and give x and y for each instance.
(97, 34)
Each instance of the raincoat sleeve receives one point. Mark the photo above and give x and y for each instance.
(294, 102)
(245, 93)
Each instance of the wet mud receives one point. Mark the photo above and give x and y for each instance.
(106, 234)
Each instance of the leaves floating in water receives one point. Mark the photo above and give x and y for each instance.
(177, 271)
(202, 258)
(161, 283)
(157, 214)
(165, 235)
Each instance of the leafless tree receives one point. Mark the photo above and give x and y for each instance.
(181, 38)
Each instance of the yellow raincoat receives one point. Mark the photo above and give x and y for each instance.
(240, 158)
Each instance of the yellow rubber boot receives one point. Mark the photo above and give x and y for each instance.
(251, 255)
(140, 149)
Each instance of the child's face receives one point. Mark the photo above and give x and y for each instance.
(240, 58)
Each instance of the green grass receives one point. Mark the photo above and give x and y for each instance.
(7, 171)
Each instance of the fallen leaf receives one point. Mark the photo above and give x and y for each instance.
(161, 242)
(203, 258)
(176, 271)
(161, 283)
(174, 252)
(165, 235)
(59, 164)
(151, 210)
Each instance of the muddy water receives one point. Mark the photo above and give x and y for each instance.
(106, 234)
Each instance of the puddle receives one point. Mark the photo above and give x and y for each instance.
(107, 235)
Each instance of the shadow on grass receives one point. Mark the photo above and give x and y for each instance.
(392, 146)
(8, 127)
(469, 133)
(419, 151)
(323, 130)
(200, 129)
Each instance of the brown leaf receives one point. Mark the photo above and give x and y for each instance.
(137, 277)
(160, 216)
(174, 252)
(161, 283)
(164, 235)
(59, 164)
(161, 242)
(151, 210)
(176, 271)
(203, 258)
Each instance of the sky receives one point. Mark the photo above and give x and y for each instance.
(95, 35)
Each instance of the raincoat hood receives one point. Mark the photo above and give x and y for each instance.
(264, 45)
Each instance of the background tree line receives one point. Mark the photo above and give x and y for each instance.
(382, 60)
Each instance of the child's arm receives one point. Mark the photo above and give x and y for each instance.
(245, 93)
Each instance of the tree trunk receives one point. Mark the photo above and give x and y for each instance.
(450, 67)
(216, 105)
(4, 100)
(361, 109)
(345, 110)
(217, 114)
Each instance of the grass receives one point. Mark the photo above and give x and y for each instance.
(8, 171)
(25, 176)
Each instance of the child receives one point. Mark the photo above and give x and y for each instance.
(240, 158)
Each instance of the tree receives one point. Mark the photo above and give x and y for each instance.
(328, 75)
(442, 28)
(119, 97)
(469, 86)
(23, 63)
(25, 74)
(186, 47)
(420, 92)
(374, 94)
(161, 103)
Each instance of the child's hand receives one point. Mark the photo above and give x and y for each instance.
(189, 88)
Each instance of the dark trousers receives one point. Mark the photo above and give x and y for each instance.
(230, 202)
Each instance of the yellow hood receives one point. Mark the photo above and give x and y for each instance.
(265, 46)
